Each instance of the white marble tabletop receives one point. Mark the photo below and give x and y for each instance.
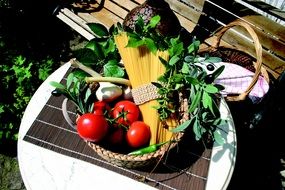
(45, 169)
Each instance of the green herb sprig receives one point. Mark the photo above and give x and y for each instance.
(101, 52)
(146, 35)
(184, 76)
(77, 91)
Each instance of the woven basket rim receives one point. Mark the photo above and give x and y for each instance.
(259, 68)
(143, 157)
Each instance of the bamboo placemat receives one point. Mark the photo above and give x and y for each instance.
(185, 167)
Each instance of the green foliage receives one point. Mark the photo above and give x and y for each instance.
(184, 76)
(20, 78)
(78, 91)
(146, 35)
(101, 52)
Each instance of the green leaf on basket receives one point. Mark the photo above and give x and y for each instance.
(151, 45)
(112, 69)
(57, 85)
(210, 88)
(193, 47)
(153, 21)
(69, 80)
(213, 59)
(196, 101)
(98, 29)
(206, 100)
(218, 137)
(135, 42)
(96, 48)
(197, 129)
(173, 60)
(181, 127)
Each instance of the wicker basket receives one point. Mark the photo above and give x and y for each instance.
(239, 57)
(132, 161)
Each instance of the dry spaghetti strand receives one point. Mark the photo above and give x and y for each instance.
(143, 67)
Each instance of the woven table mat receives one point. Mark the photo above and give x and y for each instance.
(185, 167)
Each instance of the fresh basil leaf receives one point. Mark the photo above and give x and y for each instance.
(206, 100)
(197, 129)
(69, 80)
(176, 47)
(189, 59)
(213, 59)
(218, 137)
(57, 85)
(173, 60)
(193, 47)
(177, 78)
(153, 21)
(133, 42)
(87, 94)
(86, 56)
(78, 73)
(150, 45)
(192, 80)
(110, 46)
(97, 49)
(111, 70)
(181, 127)
(185, 68)
(98, 29)
(196, 101)
(210, 88)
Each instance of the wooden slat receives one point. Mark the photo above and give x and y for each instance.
(87, 34)
(197, 4)
(118, 10)
(104, 17)
(269, 26)
(269, 42)
(275, 64)
(127, 4)
(182, 9)
(267, 8)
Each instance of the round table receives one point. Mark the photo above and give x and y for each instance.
(45, 169)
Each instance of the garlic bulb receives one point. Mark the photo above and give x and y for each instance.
(108, 92)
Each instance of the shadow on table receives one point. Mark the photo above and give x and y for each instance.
(259, 149)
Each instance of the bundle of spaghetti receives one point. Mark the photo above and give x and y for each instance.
(143, 67)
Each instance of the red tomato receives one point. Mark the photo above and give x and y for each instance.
(92, 127)
(138, 134)
(126, 111)
(116, 137)
(100, 107)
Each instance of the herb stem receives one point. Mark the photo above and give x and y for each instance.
(108, 79)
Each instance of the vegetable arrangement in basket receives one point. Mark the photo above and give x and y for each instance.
(133, 112)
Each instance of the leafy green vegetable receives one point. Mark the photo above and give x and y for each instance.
(145, 35)
(101, 50)
(77, 91)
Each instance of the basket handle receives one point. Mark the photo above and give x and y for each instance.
(258, 50)
(65, 114)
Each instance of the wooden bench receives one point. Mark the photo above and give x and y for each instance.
(200, 17)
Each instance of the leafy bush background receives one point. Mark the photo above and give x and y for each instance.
(33, 43)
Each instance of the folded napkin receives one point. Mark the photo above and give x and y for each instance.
(236, 79)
